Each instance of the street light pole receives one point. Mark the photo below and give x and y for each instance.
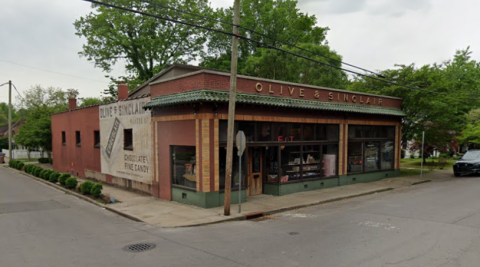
(231, 108)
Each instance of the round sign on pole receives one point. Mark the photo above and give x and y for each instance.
(241, 142)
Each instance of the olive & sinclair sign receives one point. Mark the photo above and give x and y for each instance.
(322, 95)
(125, 140)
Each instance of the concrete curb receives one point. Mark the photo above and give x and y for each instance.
(73, 193)
(230, 219)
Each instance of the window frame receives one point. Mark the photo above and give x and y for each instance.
(128, 139)
(78, 138)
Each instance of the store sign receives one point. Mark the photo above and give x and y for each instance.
(117, 121)
(298, 92)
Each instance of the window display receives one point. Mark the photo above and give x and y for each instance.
(371, 156)
(184, 167)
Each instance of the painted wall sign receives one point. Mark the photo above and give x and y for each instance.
(117, 121)
(321, 95)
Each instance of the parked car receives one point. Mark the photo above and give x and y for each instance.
(469, 163)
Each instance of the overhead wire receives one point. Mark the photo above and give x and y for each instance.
(261, 34)
(261, 44)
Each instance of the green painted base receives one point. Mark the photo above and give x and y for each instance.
(204, 199)
(285, 189)
(367, 177)
(216, 199)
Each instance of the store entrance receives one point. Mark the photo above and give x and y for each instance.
(255, 171)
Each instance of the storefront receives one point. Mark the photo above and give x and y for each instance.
(299, 137)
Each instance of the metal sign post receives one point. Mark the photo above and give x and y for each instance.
(241, 143)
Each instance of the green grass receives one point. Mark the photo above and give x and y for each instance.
(416, 163)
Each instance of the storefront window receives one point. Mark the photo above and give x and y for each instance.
(295, 132)
(370, 148)
(311, 162)
(332, 132)
(291, 161)
(330, 156)
(184, 166)
(264, 131)
(235, 169)
(309, 132)
(248, 129)
(280, 132)
(271, 164)
(372, 153)
(355, 157)
(387, 155)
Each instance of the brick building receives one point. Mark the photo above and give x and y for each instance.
(299, 137)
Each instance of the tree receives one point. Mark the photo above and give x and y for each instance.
(273, 64)
(39, 104)
(276, 23)
(92, 101)
(436, 100)
(4, 113)
(144, 44)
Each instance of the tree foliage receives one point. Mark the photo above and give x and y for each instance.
(276, 23)
(39, 103)
(439, 97)
(145, 45)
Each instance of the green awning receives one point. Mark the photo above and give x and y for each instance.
(208, 95)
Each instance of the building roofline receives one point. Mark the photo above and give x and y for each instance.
(222, 73)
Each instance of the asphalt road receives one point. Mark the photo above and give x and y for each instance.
(432, 224)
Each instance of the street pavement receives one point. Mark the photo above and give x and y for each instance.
(429, 224)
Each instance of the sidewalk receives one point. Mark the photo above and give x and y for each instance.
(164, 213)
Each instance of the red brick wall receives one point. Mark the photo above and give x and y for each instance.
(180, 133)
(86, 121)
(279, 89)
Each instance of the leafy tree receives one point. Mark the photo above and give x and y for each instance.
(144, 44)
(438, 98)
(91, 101)
(4, 113)
(39, 104)
(272, 64)
(275, 23)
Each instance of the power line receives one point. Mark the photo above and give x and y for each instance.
(261, 34)
(18, 92)
(51, 71)
(261, 44)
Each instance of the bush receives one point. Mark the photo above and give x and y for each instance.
(96, 190)
(86, 187)
(43, 174)
(50, 161)
(20, 165)
(28, 168)
(37, 171)
(43, 160)
(48, 174)
(71, 183)
(54, 177)
(63, 178)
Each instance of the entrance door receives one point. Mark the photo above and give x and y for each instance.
(255, 171)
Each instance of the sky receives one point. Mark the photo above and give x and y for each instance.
(38, 45)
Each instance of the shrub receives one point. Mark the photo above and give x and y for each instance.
(20, 165)
(86, 187)
(54, 177)
(11, 162)
(28, 168)
(43, 174)
(37, 171)
(47, 174)
(96, 190)
(71, 183)
(63, 178)
(50, 161)
(43, 160)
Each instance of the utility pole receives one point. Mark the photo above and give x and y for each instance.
(9, 120)
(231, 107)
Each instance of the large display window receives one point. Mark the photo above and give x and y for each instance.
(184, 166)
(370, 148)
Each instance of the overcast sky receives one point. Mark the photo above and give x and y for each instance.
(38, 44)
